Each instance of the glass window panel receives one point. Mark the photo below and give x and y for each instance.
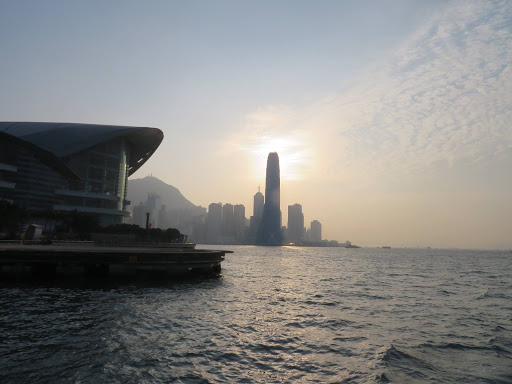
(93, 203)
(96, 173)
(112, 175)
(110, 204)
(97, 159)
(110, 189)
(112, 163)
(95, 187)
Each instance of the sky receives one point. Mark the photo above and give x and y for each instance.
(392, 119)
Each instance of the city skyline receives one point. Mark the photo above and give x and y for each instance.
(391, 120)
(221, 223)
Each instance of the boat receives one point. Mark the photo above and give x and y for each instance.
(348, 244)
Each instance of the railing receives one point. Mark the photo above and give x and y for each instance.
(145, 244)
(106, 211)
(47, 242)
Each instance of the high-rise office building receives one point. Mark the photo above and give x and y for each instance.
(239, 222)
(316, 231)
(163, 218)
(295, 223)
(269, 232)
(139, 215)
(214, 223)
(259, 203)
(228, 224)
(255, 219)
(153, 203)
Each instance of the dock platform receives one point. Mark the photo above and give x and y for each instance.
(66, 260)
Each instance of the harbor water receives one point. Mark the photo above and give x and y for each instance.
(274, 315)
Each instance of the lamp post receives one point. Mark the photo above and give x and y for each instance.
(147, 220)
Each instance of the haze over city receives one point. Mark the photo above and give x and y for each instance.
(391, 119)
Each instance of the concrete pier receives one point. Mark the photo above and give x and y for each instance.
(66, 260)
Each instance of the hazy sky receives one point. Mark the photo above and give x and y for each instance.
(392, 119)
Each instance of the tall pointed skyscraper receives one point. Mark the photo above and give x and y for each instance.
(259, 203)
(270, 229)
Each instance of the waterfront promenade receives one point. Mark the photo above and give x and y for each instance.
(51, 260)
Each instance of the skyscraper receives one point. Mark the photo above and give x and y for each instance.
(214, 223)
(255, 220)
(295, 223)
(239, 222)
(228, 225)
(259, 202)
(316, 231)
(153, 203)
(139, 215)
(270, 229)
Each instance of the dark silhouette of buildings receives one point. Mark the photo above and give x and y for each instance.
(255, 219)
(214, 223)
(316, 231)
(269, 232)
(228, 224)
(259, 203)
(239, 223)
(225, 224)
(295, 224)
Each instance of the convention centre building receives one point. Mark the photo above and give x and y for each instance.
(67, 166)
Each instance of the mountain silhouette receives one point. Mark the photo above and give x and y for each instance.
(138, 190)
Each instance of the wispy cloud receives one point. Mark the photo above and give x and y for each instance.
(443, 97)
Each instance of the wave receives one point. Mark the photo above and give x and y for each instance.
(440, 362)
(463, 347)
(492, 294)
(319, 302)
(403, 367)
(393, 354)
(335, 324)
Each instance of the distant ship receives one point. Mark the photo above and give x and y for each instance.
(348, 244)
(386, 247)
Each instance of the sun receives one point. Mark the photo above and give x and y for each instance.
(294, 155)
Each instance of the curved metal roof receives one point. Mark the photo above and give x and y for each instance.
(57, 141)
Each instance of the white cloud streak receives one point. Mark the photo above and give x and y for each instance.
(443, 98)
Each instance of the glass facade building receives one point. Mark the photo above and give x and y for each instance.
(66, 167)
(269, 232)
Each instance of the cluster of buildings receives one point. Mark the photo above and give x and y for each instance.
(296, 233)
(152, 213)
(85, 168)
(220, 224)
(227, 224)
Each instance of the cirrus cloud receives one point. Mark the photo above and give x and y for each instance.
(442, 98)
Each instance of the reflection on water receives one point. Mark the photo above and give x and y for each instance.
(274, 315)
(109, 283)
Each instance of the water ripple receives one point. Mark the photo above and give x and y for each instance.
(322, 315)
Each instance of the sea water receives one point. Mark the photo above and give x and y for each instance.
(274, 315)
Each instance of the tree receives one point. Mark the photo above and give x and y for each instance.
(11, 218)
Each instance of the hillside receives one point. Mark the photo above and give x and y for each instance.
(138, 190)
